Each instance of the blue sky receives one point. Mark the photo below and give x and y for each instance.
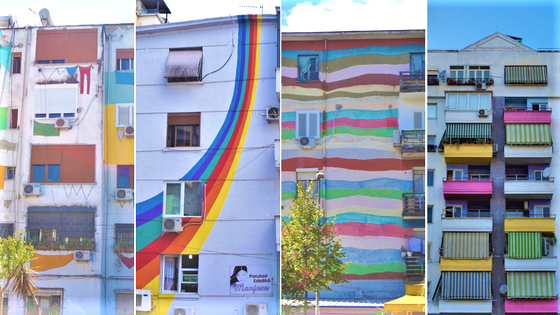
(457, 24)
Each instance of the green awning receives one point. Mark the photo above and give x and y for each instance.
(466, 285)
(530, 285)
(526, 75)
(528, 134)
(466, 245)
(474, 131)
(525, 245)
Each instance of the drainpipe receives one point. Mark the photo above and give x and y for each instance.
(105, 202)
(277, 37)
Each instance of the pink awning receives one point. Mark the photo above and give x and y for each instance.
(531, 306)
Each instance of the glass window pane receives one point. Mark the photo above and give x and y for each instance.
(125, 64)
(183, 136)
(430, 178)
(196, 136)
(452, 101)
(432, 114)
(123, 176)
(463, 101)
(193, 199)
(473, 101)
(484, 101)
(173, 199)
(39, 173)
(54, 173)
(460, 75)
(471, 74)
(170, 136)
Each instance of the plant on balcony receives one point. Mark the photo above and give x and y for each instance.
(471, 81)
(450, 81)
(433, 82)
(88, 244)
(479, 141)
(489, 81)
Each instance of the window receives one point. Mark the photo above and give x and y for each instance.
(429, 251)
(55, 100)
(430, 214)
(183, 130)
(66, 46)
(125, 176)
(63, 163)
(539, 106)
(180, 274)
(184, 65)
(183, 199)
(418, 182)
(10, 173)
(417, 63)
(477, 73)
(124, 238)
(16, 63)
(432, 111)
(125, 115)
(307, 124)
(125, 59)
(454, 174)
(469, 101)
(526, 75)
(308, 178)
(538, 175)
(430, 178)
(125, 304)
(542, 211)
(453, 211)
(418, 120)
(13, 118)
(72, 225)
(308, 68)
(432, 144)
(5, 306)
(50, 302)
(6, 229)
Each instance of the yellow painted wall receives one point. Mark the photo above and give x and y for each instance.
(529, 224)
(467, 153)
(116, 152)
(466, 264)
(2, 176)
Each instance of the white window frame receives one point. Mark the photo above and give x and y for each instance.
(41, 293)
(535, 172)
(455, 208)
(306, 177)
(541, 211)
(130, 64)
(414, 117)
(317, 64)
(179, 275)
(40, 88)
(434, 112)
(455, 70)
(130, 114)
(450, 106)
(307, 113)
(182, 210)
(454, 173)
(10, 170)
(542, 106)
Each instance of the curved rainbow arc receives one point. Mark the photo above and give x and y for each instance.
(217, 167)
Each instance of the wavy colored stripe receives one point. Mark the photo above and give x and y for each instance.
(345, 142)
(355, 114)
(378, 183)
(355, 91)
(347, 62)
(343, 193)
(319, 45)
(375, 242)
(394, 212)
(353, 164)
(341, 173)
(335, 95)
(367, 103)
(377, 256)
(364, 80)
(361, 132)
(148, 232)
(360, 229)
(363, 269)
(40, 129)
(373, 219)
(352, 52)
(350, 122)
(149, 204)
(48, 262)
(375, 276)
(350, 72)
(358, 153)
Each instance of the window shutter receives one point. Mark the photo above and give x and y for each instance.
(124, 115)
(418, 123)
(302, 125)
(313, 125)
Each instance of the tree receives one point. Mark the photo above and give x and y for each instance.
(15, 254)
(311, 252)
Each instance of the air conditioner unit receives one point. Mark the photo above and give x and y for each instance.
(82, 255)
(306, 143)
(480, 86)
(545, 247)
(143, 300)
(62, 123)
(396, 138)
(172, 225)
(272, 113)
(256, 309)
(483, 113)
(183, 311)
(124, 194)
(129, 131)
(32, 189)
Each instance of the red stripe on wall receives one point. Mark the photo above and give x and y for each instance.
(367, 79)
(368, 229)
(318, 45)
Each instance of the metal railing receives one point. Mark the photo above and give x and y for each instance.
(414, 204)
(476, 177)
(413, 140)
(415, 265)
(518, 213)
(513, 109)
(470, 214)
(412, 81)
(526, 178)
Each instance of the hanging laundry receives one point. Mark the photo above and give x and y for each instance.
(423, 251)
(85, 71)
(415, 244)
(72, 70)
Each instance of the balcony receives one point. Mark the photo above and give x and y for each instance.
(467, 188)
(412, 81)
(460, 306)
(466, 264)
(466, 224)
(464, 81)
(467, 153)
(546, 263)
(521, 188)
(467, 116)
(413, 144)
(523, 116)
(528, 154)
(532, 223)
(414, 205)
(415, 269)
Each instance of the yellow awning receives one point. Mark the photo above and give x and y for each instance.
(412, 303)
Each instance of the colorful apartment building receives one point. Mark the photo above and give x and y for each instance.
(59, 170)
(491, 219)
(208, 167)
(353, 112)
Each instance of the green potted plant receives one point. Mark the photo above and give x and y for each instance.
(450, 81)
(479, 141)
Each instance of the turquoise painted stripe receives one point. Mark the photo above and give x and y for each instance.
(352, 114)
(378, 256)
(378, 183)
(350, 52)
(148, 232)
(350, 217)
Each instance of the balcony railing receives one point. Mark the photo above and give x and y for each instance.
(413, 81)
(476, 177)
(526, 178)
(432, 81)
(467, 81)
(415, 268)
(519, 213)
(471, 213)
(414, 204)
(413, 141)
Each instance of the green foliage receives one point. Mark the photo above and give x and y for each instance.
(311, 251)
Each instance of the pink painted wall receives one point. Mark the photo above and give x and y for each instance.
(531, 306)
(467, 187)
(527, 116)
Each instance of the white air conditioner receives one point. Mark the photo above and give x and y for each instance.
(483, 113)
(129, 131)
(82, 255)
(396, 138)
(306, 143)
(62, 123)
(172, 225)
(256, 309)
(480, 86)
(183, 311)
(545, 247)
(124, 194)
(272, 113)
(32, 189)
(143, 300)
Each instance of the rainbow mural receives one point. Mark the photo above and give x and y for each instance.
(216, 168)
(365, 175)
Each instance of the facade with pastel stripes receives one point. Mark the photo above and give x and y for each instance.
(353, 110)
(492, 120)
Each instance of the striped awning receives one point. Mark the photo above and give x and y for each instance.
(466, 285)
(526, 75)
(525, 245)
(466, 245)
(184, 63)
(528, 134)
(454, 131)
(530, 285)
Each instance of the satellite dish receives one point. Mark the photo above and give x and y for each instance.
(442, 74)
(503, 289)
(546, 172)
